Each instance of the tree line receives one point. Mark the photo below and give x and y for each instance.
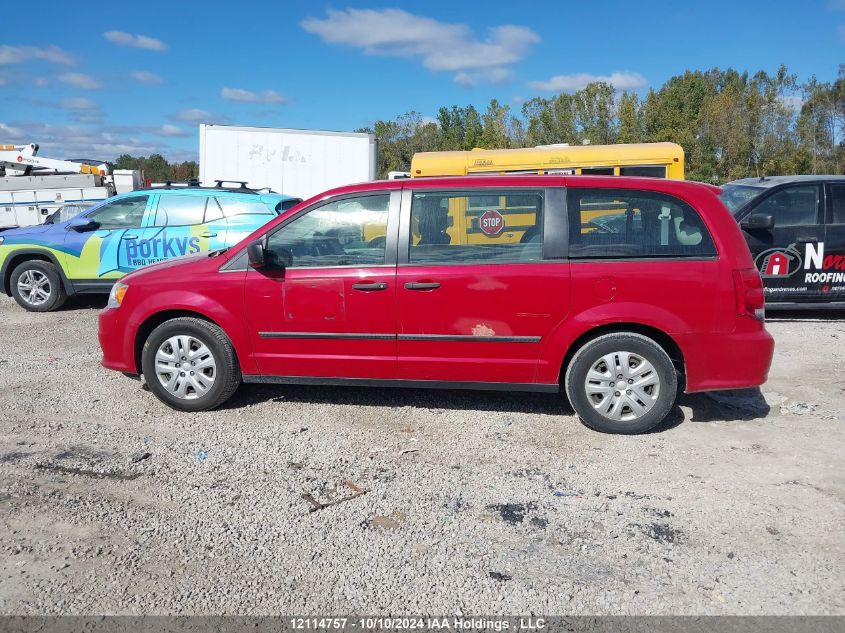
(157, 169)
(730, 124)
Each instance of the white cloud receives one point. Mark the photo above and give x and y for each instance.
(80, 80)
(135, 41)
(171, 131)
(146, 77)
(192, 115)
(196, 115)
(621, 80)
(11, 133)
(40, 81)
(96, 142)
(77, 103)
(470, 79)
(247, 96)
(441, 46)
(19, 54)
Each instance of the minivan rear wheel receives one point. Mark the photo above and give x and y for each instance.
(621, 383)
(190, 364)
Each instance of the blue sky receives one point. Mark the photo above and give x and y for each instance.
(96, 82)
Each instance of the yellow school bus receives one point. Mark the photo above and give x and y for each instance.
(658, 160)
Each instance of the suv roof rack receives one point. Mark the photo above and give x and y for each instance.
(194, 183)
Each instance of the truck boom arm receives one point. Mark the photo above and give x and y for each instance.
(20, 160)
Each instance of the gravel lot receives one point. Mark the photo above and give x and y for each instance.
(462, 502)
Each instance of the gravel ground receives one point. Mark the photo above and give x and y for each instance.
(443, 502)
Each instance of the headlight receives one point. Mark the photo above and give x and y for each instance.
(118, 291)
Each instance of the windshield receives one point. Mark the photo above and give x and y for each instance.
(734, 197)
(66, 212)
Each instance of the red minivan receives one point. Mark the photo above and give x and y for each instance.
(616, 290)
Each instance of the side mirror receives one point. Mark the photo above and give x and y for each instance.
(82, 225)
(256, 255)
(758, 222)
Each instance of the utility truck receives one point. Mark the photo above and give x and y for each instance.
(32, 187)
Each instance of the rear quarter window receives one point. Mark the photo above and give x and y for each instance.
(232, 207)
(624, 223)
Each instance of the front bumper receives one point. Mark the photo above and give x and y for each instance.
(115, 342)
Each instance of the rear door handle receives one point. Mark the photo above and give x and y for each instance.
(369, 287)
(130, 237)
(208, 235)
(806, 239)
(422, 285)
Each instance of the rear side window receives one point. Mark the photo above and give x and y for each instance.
(651, 171)
(622, 223)
(180, 210)
(476, 227)
(838, 204)
(243, 206)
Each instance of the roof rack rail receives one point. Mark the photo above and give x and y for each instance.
(194, 183)
(242, 184)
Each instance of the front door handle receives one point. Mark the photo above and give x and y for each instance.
(369, 287)
(422, 285)
(130, 237)
(208, 235)
(806, 239)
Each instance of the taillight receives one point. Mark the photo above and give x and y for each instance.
(749, 294)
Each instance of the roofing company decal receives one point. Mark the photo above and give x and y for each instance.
(779, 262)
(788, 270)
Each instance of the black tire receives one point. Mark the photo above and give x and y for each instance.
(39, 269)
(226, 374)
(587, 406)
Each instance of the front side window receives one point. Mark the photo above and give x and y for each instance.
(125, 213)
(180, 210)
(348, 232)
(621, 223)
(479, 227)
(792, 206)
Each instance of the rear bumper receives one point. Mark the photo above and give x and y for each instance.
(118, 353)
(727, 361)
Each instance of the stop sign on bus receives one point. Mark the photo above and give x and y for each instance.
(491, 222)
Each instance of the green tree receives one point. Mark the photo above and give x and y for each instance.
(630, 127)
(494, 126)
(594, 113)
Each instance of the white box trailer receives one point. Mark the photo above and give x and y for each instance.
(299, 163)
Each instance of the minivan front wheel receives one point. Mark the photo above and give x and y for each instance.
(190, 364)
(621, 383)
